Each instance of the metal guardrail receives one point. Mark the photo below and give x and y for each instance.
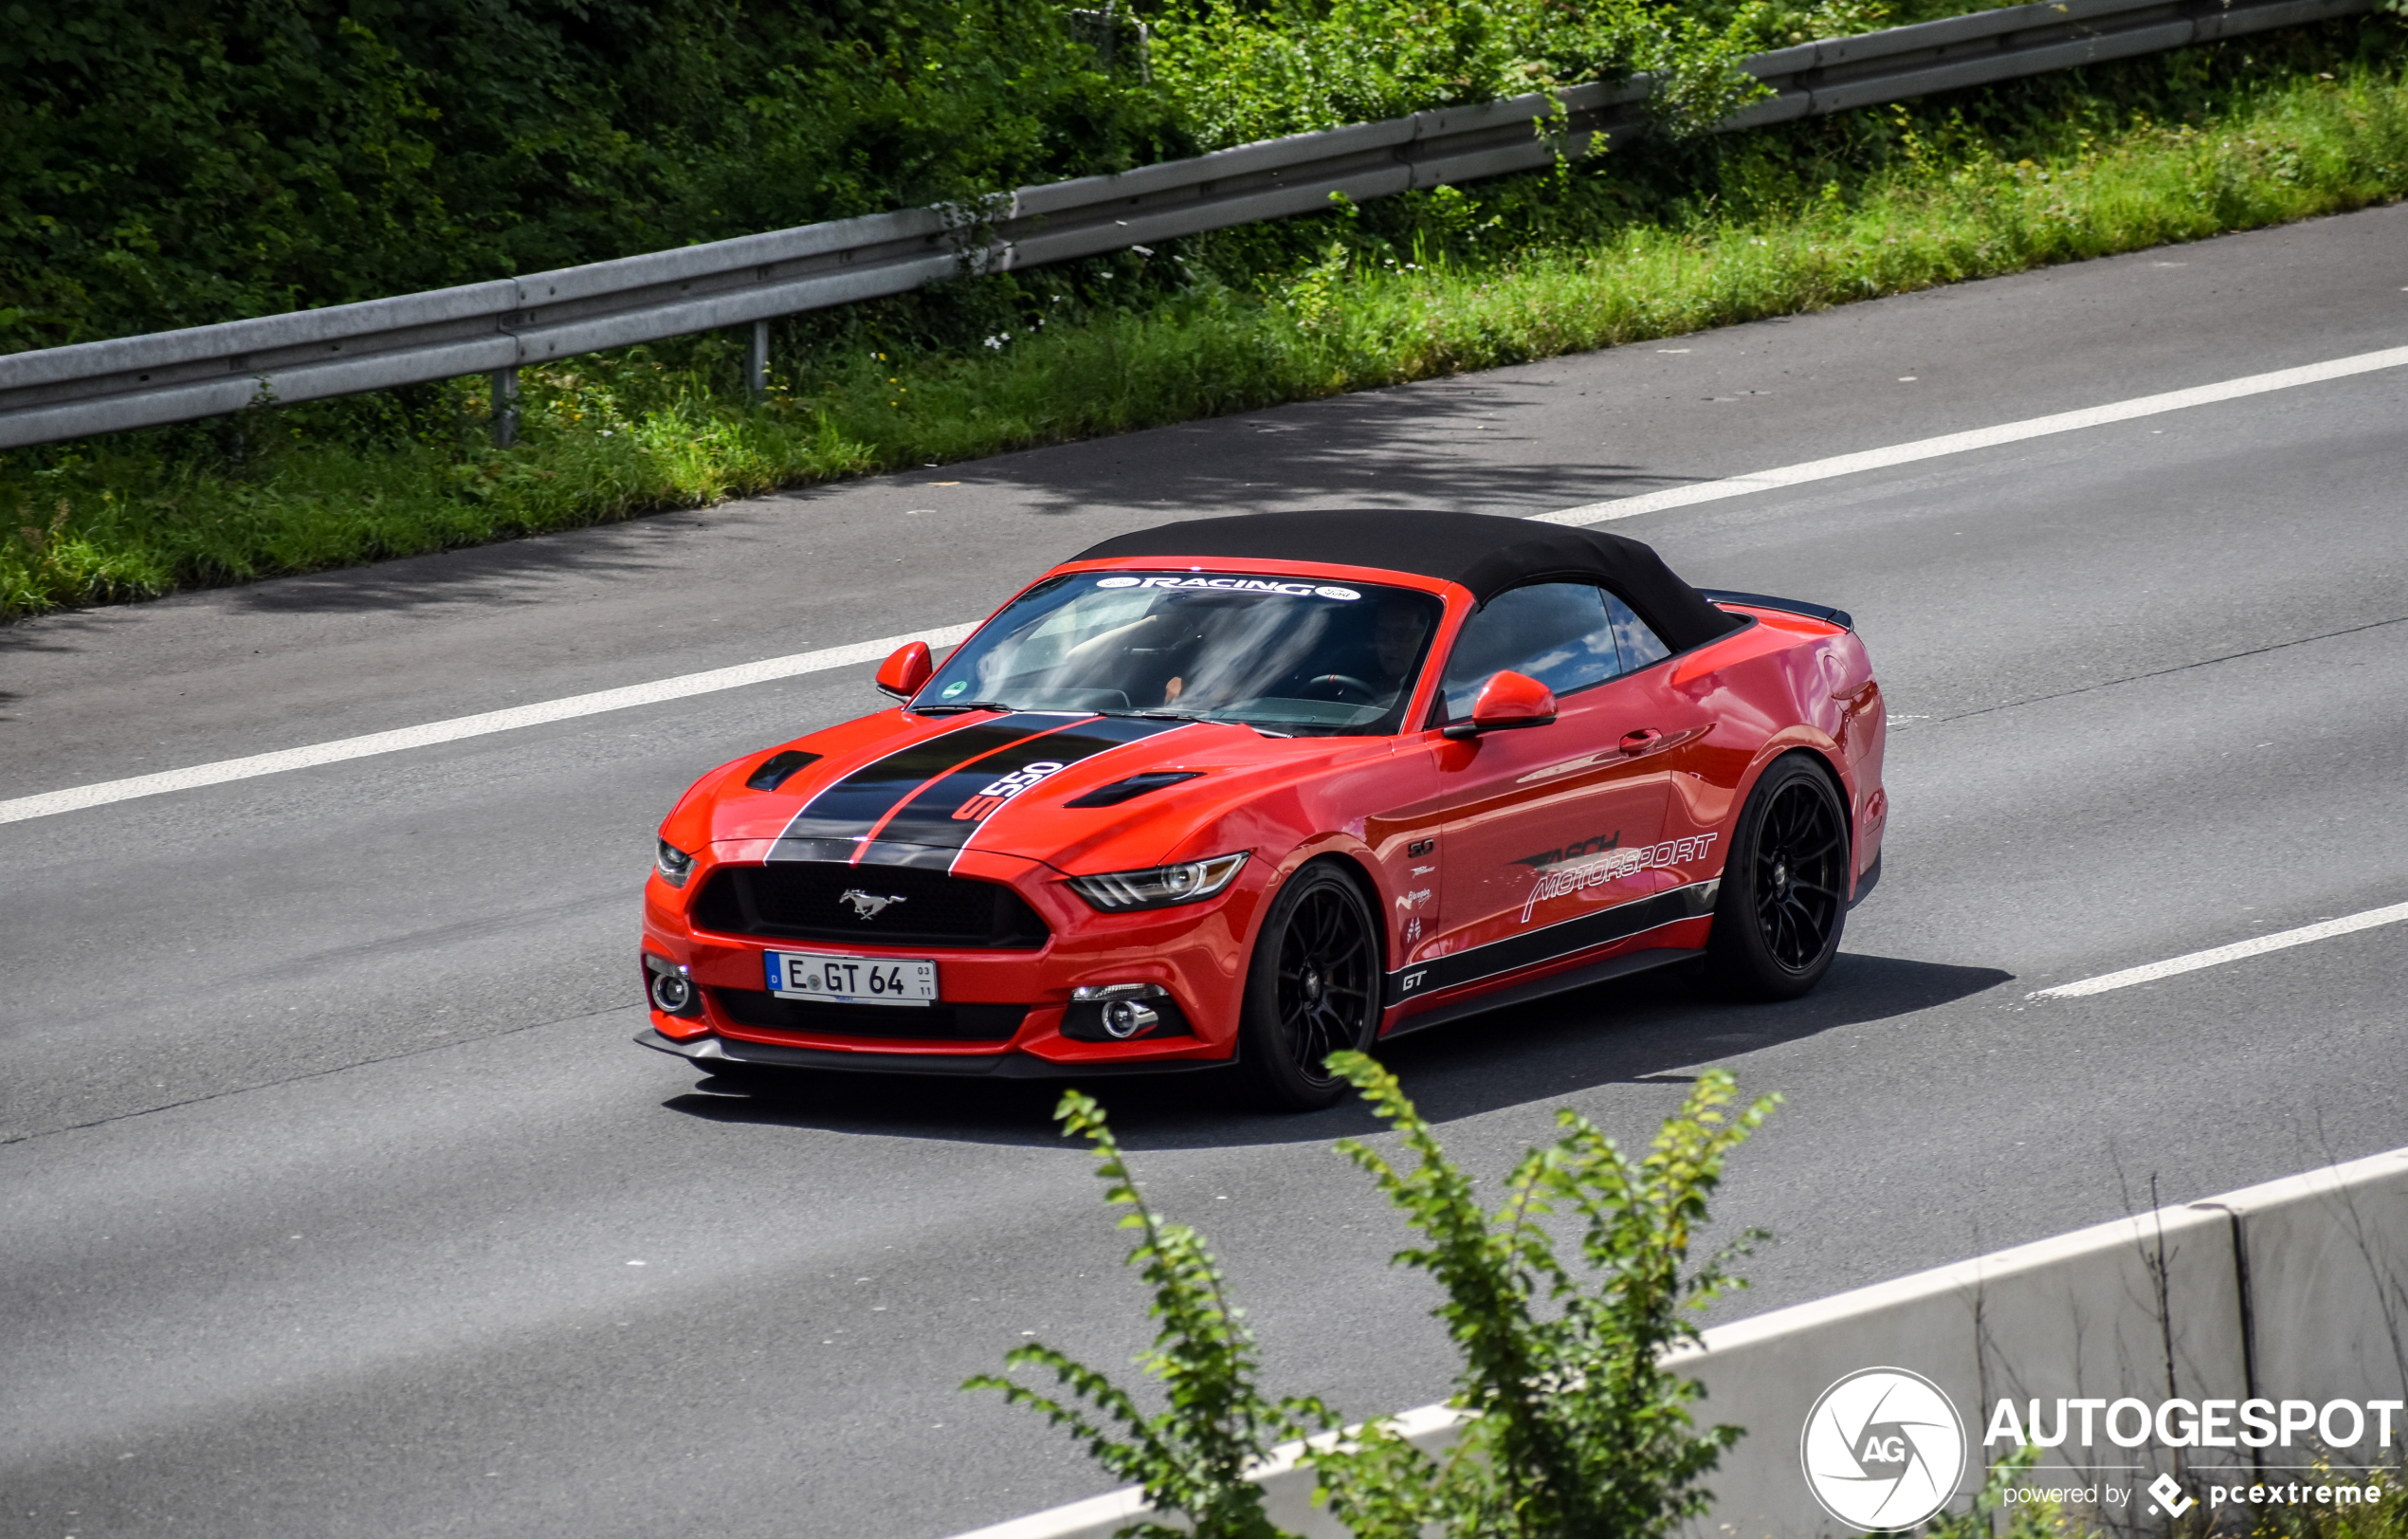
(498, 327)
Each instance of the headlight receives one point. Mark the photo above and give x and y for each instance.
(1189, 882)
(673, 864)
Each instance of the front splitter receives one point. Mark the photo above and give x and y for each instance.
(710, 1051)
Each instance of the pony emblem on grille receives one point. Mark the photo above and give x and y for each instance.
(868, 904)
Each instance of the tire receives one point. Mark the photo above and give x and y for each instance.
(1311, 990)
(1784, 894)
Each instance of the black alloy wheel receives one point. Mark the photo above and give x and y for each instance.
(1785, 895)
(1313, 990)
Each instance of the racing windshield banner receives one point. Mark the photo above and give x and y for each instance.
(922, 805)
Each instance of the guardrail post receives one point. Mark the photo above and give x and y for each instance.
(505, 407)
(756, 361)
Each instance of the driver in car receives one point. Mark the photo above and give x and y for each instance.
(1396, 630)
(1397, 627)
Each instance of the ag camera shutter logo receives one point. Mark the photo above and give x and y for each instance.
(1883, 1448)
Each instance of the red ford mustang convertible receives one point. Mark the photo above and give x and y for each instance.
(1256, 789)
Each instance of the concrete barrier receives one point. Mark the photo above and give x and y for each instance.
(2284, 1300)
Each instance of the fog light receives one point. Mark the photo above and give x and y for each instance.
(1116, 1011)
(672, 993)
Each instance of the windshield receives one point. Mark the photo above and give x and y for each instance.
(1289, 654)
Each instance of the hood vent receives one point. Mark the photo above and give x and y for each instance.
(778, 768)
(1131, 787)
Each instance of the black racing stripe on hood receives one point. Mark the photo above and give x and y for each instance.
(843, 813)
(944, 816)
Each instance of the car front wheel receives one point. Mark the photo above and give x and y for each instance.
(1313, 989)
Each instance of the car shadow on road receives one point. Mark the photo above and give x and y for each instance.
(1651, 1029)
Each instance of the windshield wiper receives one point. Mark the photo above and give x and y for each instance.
(1158, 716)
(954, 706)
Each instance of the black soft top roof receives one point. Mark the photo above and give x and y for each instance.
(1487, 553)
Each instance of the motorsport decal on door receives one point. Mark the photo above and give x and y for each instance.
(1557, 881)
(903, 810)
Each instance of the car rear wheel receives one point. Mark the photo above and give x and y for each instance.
(1313, 990)
(1784, 896)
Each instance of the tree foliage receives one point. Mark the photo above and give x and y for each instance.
(169, 163)
(174, 162)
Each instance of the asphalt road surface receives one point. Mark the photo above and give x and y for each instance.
(336, 1200)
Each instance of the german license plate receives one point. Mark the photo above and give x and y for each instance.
(798, 975)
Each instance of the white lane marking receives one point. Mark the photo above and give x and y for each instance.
(2217, 956)
(77, 797)
(1959, 442)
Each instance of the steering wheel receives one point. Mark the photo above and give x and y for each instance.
(1345, 681)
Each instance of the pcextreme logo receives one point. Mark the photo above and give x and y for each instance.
(1883, 1449)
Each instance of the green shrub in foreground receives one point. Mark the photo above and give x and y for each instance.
(1576, 1429)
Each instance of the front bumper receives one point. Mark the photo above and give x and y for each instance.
(1000, 1005)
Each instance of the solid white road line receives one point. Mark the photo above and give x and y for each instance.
(77, 797)
(1959, 442)
(467, 727)
(2217, 956)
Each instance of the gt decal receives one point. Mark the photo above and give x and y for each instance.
(996, 792)
(1573, 850)
(1612, 867)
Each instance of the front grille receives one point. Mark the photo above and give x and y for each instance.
(804, 900)
(941, 1022)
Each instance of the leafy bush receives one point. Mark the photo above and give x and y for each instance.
(1577, 1425)
(1190, 1459)
(1236, 73)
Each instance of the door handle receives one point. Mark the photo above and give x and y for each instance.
(1640, 742)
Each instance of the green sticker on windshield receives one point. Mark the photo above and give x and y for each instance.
(953, 689)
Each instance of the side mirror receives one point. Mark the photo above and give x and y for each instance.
(1510, 700)
(907, 667)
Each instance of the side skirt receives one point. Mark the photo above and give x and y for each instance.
(1538, 988)
(1551, 942)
